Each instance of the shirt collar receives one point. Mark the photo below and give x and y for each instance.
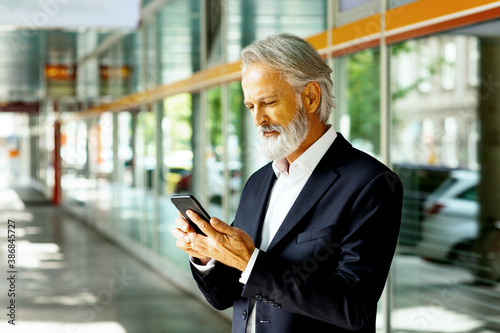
(311, 157)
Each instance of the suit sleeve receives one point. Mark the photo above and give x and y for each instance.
(219, 286)
(340, 285)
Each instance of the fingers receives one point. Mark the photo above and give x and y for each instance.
(187, 237)
(226, 244)
(181, 223)
(224, 228)
(187, 249)
(201, 223)
(181, 230)
(180, 235)
(183, 241)
(220, 226)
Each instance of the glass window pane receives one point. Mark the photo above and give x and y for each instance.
(397, 3)
(214, 151)
(446, 268)
(74, 182)
(102, 197)
(177, 169)
(235, 145)
(350, 4)
(127, 196)
(448, 66)
(180, 40)
(360, 118)
(251, 20)
(147, 122)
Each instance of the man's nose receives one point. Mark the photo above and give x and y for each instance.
(259, 116)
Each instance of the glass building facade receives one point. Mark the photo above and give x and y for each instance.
(159, 110)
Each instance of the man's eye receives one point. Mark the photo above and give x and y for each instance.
(269, 103)
(250, 107)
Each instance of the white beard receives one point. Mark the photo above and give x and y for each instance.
(289, 139)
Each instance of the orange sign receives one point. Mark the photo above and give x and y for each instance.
(60, 72)
(114, 72)
(14, 153)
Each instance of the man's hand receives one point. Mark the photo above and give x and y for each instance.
(230, 246)
(183, 242)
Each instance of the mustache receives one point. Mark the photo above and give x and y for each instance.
(269, 128)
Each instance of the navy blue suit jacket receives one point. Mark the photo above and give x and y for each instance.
(326, 267)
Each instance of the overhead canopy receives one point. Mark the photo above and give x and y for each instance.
(49, 14)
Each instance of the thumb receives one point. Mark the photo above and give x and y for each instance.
(219, 226)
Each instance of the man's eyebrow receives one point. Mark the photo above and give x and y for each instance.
(267, 97)
(261, 99)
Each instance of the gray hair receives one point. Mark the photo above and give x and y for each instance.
(298, 62)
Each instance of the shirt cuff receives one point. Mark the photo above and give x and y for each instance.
(203, 269)
(246, 273)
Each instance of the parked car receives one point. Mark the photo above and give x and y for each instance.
(419, 181)
(450, 225)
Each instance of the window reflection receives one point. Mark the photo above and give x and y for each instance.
(235, 146)
(442, 130)
(177, 145)
(448, 67)
(360, 121)
(444, 243)
(177, 170)
(350, 4)
(214, 153)
(125, 149)
(180, 40)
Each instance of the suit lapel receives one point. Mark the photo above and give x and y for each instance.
(320, 181)
(264, 190)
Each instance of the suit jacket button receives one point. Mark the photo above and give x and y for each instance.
(265, 300)
(244, 315)
(258, 297)
(271, 303)
(276, 305)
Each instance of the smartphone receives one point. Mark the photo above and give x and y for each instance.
(185, 202)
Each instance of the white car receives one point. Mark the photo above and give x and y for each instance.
(450, 225)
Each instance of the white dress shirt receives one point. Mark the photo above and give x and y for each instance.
(290, 182)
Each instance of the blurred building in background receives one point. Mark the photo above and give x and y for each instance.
(110, 118)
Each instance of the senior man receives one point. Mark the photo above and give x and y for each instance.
(316, 229)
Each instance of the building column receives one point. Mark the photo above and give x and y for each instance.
(247, 136)
(56, 197)
(488, 244)
(34, 150)
(133, 140)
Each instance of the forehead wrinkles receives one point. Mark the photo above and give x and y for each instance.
(261, 82)
(259, 71)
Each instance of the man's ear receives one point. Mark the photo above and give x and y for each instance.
(311, 97)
